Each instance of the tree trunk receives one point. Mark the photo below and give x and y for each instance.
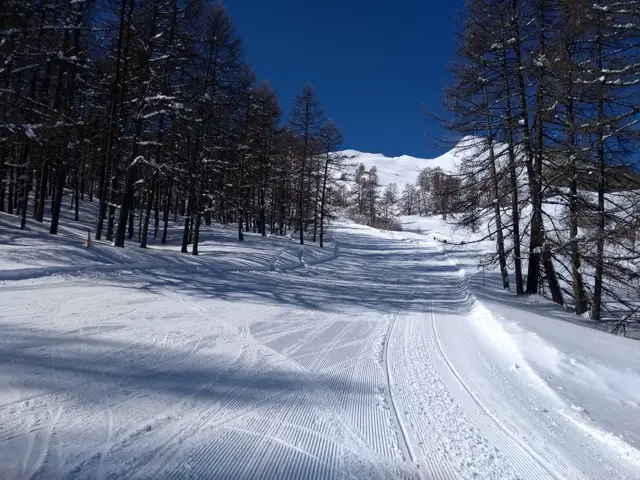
(167, 207)
(26, 184)
(282, 213)
(61, 174)
(579, 295)
(42, 193)
(176, 204)
(147, 215)
(111, 129)
(91, 181)
(83, 178)
(315, 210)
(156, 208)
(2, 177)
(141, 205)
(513, 175)
(301, 199)
(250, 216)
(263, 220)
(196, 234)
(76, 213)
(185, 233)
(132, 219)
(240, 234)
(36, 193)
(187, 222)
(322, 199)
(127, 203)
(596, 306)
(12, 181)
(198, 220)
(113, 193)
(537, 248)
(496, 194)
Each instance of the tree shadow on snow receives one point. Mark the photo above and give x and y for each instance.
(142, 385)
(365, 276)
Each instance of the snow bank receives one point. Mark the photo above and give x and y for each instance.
(571, 379)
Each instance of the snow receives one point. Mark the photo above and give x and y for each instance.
(34, 253)
(29, 131)
(403, 169)
(602, 375)
(385, 355)
(433, 226)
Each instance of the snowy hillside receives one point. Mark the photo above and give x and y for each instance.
(403, 169)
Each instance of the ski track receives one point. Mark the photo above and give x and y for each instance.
(197, 379)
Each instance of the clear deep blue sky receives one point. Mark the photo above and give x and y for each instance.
(376, 64)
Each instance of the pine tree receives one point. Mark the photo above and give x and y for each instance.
(332, 139)
(306, 120)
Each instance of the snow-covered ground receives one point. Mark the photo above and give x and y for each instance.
(34, 253)
(382, 356)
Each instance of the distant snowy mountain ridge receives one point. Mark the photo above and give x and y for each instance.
(404, 169)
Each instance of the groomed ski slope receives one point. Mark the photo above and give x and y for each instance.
(385, 359)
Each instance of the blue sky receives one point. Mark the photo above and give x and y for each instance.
(376, 64)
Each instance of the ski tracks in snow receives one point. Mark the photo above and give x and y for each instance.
(473, 415)
(394, 378)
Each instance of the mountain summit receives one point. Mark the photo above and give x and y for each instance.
(405, 168)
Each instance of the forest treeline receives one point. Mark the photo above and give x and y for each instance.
(151, 109)
(547, 95)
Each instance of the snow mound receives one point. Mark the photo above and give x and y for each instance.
(600, 383)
